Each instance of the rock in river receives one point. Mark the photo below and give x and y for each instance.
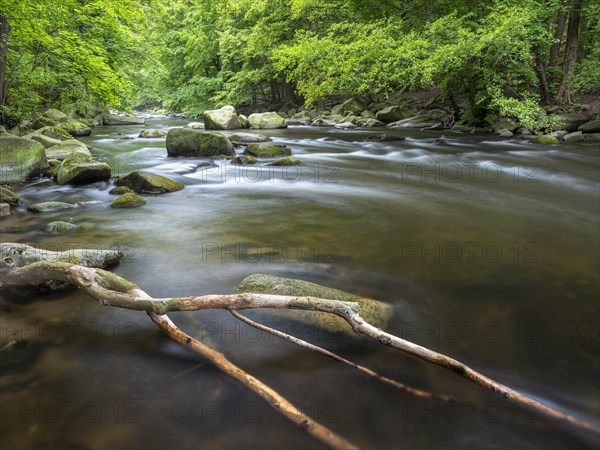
(148, 182)
(195, 143)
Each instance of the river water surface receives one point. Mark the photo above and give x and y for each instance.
(488, 250)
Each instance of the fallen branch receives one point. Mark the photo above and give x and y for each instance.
(302, 343)
(110, 289)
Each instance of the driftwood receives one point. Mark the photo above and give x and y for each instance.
(112, 290)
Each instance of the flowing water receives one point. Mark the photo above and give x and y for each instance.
(487, 249)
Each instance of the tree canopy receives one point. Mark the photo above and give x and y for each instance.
(502, 57)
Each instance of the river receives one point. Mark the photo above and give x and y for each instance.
(488, 250)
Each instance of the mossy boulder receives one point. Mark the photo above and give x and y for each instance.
(570, 121)
(21, 159)
(48, 207)
(76, 128)
(152, 134)
(128, 200)
(80, 168)
(65, 148)
(225, 118)
(373, 311)
(249, 137)
(593, 126)
(196, 143)
(244, 160)
(392, 114)
(56, 115)
(575, 136)
(59, 226)
(8, 196)
(268, 120)
(353, 105)
(545, 139)
(53, 133)
(289, 161)
(120, 190)
(148, 182)
(265, 150)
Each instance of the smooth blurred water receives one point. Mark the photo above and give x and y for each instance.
(487, 249)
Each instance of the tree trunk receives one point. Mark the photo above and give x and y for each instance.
(561, 20)
(4, 32)
(571, 51)
(545, 95)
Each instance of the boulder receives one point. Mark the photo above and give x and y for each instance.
(375, 312)
(80, 168)
(128, 200)
(545, 139)
(505, 133)
(368, 114)
(244, 121)
(370, 123)
(23, 255)
(353, 105)
(249, 137)
(8, 196)
(64, 149)
(4, 209)
(120, 190)
(113, 119)
(391, 114)
(76, 128)
(189, 142)
(266, 150)
(345, 125)
(56, 116)
(570, 121)
(149, 183)
(244, 160)
(593, 126)
(267, 120)
(21, 159)
(195, 125)
(591, 137)
(422, 120)
(288, 161)
(224, 118)
(152, 134)
(576, 136)
(49, 136)
(48, 207)
(59, 226)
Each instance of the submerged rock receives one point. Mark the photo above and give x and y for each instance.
(262, 150)
(59, 226)
(46, 207)
(21, 159)
(23, 255)
(373, 311)
(189, 142)
(148, 182)
(80, 168)
(128, 200)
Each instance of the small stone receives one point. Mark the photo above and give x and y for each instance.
(152, 134)
(505, 133)
(46, 207)
(267, 150)
(120, 190)
(128, 200)
(4, 209)
(244, 160)
(289, 161)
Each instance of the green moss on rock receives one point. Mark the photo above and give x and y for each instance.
(373, 311)
(128, 200)
(8, 196)
(546, 140)
(59, 226)
(148, 182)
(289, 161)
(21, 159)
(265, 150)
(47, 207)
(120, 190)
(195, 143)
(80, 168)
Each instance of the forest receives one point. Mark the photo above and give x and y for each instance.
(501, 58)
